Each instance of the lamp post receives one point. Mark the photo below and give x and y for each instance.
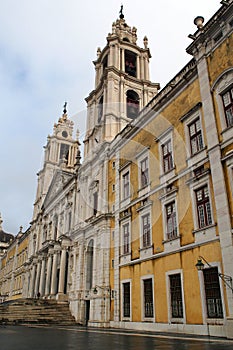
(227, 280)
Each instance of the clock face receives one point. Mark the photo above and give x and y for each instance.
(64, 134)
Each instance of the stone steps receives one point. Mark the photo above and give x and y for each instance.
(35, 311)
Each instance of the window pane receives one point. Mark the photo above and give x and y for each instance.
(229, 116)
(213, 294)
(195, 136)
(148, 298)
(171, 221)
(126, 299)
(203, 207)
(176, 296)
(126, 185)
(226, 99)
(126, 239)
(146, 239)
(144, 172)
(228, 106)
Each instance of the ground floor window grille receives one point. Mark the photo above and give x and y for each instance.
(126, 299)
(213, 293)
(148, 298)
(176, 296)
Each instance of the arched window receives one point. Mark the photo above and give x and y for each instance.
(126, 39)
(89, 265)
(132, 100)
(105, 62)
(130, 63)
(100, 108)
(64, 151)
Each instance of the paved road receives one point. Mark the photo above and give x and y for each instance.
(74, 338)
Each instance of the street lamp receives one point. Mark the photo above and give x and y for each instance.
(95, 290)
(227, 280)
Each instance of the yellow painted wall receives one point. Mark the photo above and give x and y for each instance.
(184, 261)
(220, 59)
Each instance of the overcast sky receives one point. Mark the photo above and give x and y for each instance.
(46, 53)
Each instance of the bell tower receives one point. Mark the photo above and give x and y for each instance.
(122, 85)
(61, 152)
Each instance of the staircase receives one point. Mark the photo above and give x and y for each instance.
(38, 311)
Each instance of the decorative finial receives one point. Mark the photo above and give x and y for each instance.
(98, 52)
(121, 12)
(145, 41)
(199, 20)
(1, 221)
(64, 108)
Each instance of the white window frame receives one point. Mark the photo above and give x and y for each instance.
(207, 232)
(142, 190)
(221, 85)
(122, 300)
(203, 296)
(173, 244)
(147, 319)
(125, 200)
(189, 119)
(145, 251)
(170, 318)
(124, 222)
(162, 139)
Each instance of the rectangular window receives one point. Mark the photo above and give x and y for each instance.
(144, 172)
(212, 293)
(228, 106)
(203, 207)
(148, 298)
(176, 296)
(195, 135)
(126, 299)
(95, 203)
(126, 185)
(126, 239)
(146, 241)
(167, 156)
(171, 221)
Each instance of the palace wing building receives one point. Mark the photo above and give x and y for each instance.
(139, 234)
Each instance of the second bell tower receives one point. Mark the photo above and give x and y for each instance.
(122, 85)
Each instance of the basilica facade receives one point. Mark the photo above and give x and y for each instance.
(138, 234)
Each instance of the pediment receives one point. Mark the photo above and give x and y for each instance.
(58, 184)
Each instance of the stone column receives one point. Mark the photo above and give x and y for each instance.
(142, 68)
(138, 67)
(37, 278)
(42, 278)
(48, 276)
(61, 286)
(32, 281)
(54, 274)
(123, 60)
(146, 64)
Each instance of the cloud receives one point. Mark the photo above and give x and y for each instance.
(46, 54)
